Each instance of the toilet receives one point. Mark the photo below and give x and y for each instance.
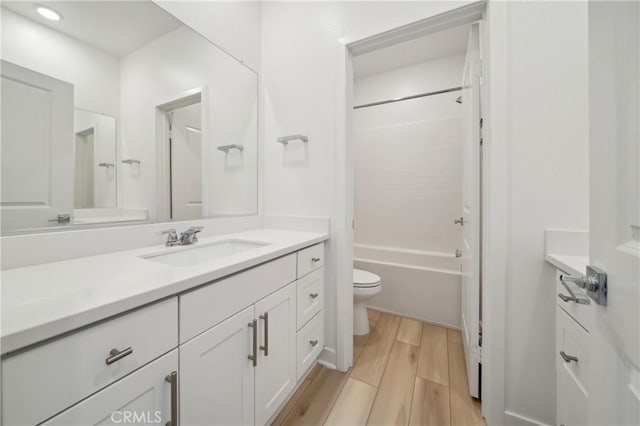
(365, 286)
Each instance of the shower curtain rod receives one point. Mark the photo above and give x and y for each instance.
(406, 98)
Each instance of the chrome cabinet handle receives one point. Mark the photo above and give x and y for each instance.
(173, 379)
(254, 324)
(572, 297)
(313, 295)
(313, 342)
(459, 221)
(315, 259)
(117, 355)
(568, 358)
(265, 347)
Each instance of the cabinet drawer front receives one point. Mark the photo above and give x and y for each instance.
(309, 342)
(582, 313)
(45, 380)
(310, 259)
(143, 397)
(310, 296)
(572, 340)
(205, 307)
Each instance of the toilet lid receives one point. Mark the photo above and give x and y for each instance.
(364, 278)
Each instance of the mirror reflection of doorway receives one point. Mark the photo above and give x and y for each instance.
(185, 162)
(84, 164)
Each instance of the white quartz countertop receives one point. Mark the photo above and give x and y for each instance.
(574, 265)
(43, 301)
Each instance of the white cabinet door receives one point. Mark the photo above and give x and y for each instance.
(216, 375)
(276, 370)
(143, 397)
(37, 148)
(614, 213)
(470, 300)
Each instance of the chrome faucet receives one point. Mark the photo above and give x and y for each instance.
(172, 237)
(189, 236)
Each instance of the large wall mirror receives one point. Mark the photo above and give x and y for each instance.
(115, 111)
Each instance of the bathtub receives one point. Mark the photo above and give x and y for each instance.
(415, 283)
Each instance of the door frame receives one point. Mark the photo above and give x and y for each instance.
(163, 154)
(492, 17)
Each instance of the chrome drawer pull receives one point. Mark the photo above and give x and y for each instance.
(568, 358)
(315, 259)
(265, 347)
(117, 355)
(173, 379)
(313, 295)
(313, 342)
(254, 324)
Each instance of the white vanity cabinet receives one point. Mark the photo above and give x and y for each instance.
(573, 320)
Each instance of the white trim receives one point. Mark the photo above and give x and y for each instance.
(404, 265)
(404, 250)
(515, 419)
(400, 314)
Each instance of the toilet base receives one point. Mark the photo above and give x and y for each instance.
(360, 319)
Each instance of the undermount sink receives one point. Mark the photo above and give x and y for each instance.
(199, 253)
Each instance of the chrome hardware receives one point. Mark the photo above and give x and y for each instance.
(130, 161)
(595, 282)
(107, 165)
(459, 221)
(265, 347)
(458, 253)
(568, 358)
(459, 99)
(189, 236)
(315, 259)
(117, 355)
(173, 379)
(313, 342)
(172, 237)
(254, 324)
(313, 295)
(284, 140)
(226, 148)
(572, 296)
(62, 218)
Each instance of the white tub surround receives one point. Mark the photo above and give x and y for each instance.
(567, 250)
(46, 300)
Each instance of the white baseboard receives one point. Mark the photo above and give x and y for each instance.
(387, 311)
(515, 419)
(328, 358)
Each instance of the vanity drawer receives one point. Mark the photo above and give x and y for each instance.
(310, 259)
(44, 380)
(310, 296)
(205, 307)
(573, 341)
(309, 344)
(582, 313)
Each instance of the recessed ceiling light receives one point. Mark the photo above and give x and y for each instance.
(47, 12)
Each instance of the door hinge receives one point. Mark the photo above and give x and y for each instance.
(476, 354)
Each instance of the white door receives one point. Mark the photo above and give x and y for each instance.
(471, 212)
(276, 371)
(143, 397)
(37, 148)
(216, 375)
(186, 163)
(614, 213)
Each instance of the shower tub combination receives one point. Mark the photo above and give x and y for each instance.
(421, 284)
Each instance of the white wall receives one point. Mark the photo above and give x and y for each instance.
(165, 70)
(546, 129)
(301, 48)
(234, 26)
(407, 158)
(94, 73)
(547, 138)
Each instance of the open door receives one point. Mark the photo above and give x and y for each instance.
(471, 225)
(614, 213)
(37, 149)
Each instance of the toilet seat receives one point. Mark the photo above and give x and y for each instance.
(365, 279)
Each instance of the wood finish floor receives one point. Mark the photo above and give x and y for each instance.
(405, 372)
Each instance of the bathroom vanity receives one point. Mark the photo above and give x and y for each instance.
(157, 335)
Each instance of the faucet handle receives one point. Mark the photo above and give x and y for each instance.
(172, 237)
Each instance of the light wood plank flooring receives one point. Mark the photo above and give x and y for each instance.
(405, 372)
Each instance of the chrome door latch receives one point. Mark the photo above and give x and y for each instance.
(595, 282)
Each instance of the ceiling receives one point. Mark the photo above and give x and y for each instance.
(449, 42)
(117, 27)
